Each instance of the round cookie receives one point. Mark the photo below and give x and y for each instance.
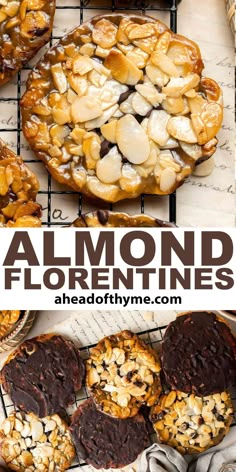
(18, 190)
(8, 319)
(106, 442)
(123, 374)
(189, 423)
(101, 218)
(43, 375)
(199, 354)
(25, 26)
(28, 443)
(119, 108)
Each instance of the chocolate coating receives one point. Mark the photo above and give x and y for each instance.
(199, 354)
(105, 442)
(43, 375)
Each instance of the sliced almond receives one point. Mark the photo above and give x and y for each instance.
(167, 180)
(199, 128)
(192, 150)
(130, 180)
(137, 148)
(109, 167)
(78, 84)
(126, 106)
(107, 192)
(181, 128)
(140, 104)
(122, 69)
(161, 60)
(104, 33)
(85, 109)
(82, 65)
(197, 104)
(173, 106)
(163, 42)
(142, 31)
(171, 144)
(102, 119)
(36, 430)
(157, 126)
(109, 131)
(59, 77)
(150, 93)
(147, 44)
(156, 75)
(138, 57)
(121, 35)
(178, 86)
(179, 54)
(212, 117)
(88, 49)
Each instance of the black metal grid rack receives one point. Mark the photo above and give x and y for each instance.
(152, 337)
(81, 8)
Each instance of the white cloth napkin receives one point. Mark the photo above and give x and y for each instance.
(161, 458)
(218, 461)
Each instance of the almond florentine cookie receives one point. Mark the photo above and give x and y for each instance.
(18, 190)
(199, 354)
(119, 107)
(106, 442)
(192, 424)
(25, 26)
(101, 218)
(123, 374)
(8, 318)
(43, 375)
(28, 443)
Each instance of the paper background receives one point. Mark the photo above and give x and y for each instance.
(208, 201)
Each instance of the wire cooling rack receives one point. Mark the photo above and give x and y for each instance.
(152, 337)
(50, 191)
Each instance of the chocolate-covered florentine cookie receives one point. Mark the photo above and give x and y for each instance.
(25, 26)
(199, 354)
(189, 423)
(28, 443)
(18, 190)
(43, 375)
(101, 218)
(119, 108)
(106, 442)
(123, 374)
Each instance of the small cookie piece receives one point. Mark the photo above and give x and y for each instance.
(25, 27)
(43, 375)
(112, 219)
(28, 443)
(8, 318)
(123, 374)
(18, 190)
(189, 423)
(106, 442)
(199, 354)
(119, 107)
